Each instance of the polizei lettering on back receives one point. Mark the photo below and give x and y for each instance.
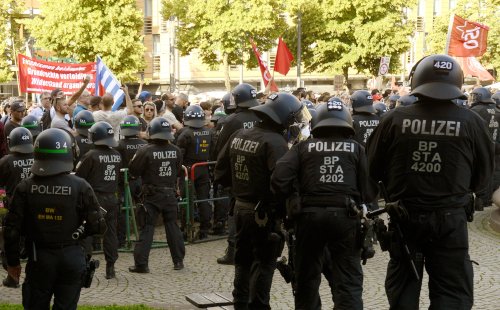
(164, 154)
(244, 145)
(51, 190)
(109, 158)
(330, 146)
(431, 127)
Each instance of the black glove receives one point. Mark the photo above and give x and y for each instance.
(396, 211)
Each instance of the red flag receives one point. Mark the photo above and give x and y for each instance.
(472, 67)
(467, 38)
(266, 76)
(283, 58)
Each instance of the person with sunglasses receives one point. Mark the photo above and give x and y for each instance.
(149, 111)
(137, 112)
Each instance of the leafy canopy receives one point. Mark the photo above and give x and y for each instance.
(84, 29)
(9, 13)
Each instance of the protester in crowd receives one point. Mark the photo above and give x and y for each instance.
(44, 105)
(17, 112)
(181, 102)
(83, 103)
(61, 118)
(113, 117)
(138, 112)
(94, 103)
(169, 101)
(149, 111)
(5, 111)
(207, 109)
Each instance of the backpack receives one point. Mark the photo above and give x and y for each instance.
(46, 119)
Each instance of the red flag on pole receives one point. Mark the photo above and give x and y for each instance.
(466, 38)
(283, 58)
(472, 67)
(266, 75)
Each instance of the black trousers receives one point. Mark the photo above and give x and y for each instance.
(163, 203)
(56, 272)
(109, 202)
(333, 228)
(255, 260)
(438, 240)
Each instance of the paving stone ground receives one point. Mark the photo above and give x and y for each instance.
(166, 289)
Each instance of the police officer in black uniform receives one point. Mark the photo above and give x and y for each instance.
(101, 167)
(48, 207)
(482, 104)
(195, 140)
(246, 164)
(33, 124)
(243, 97)
(159, 165)
(364, 115)
(83, 121)
(431, 156)
(129, 143)
(14, 167)
(332, 174)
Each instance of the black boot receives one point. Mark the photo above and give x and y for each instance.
(228, 258)
(110, 271)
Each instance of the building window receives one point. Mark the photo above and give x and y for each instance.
(156, 44)
(421, 8)
(148, 8)
(452, 4)
(437, 7)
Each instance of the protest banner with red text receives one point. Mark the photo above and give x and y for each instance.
(37, 76)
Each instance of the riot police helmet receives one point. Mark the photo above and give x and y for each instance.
(130, 126)
(33, 124)
(406, 100)
(496, 97)
(481, 95)
(160, 129)
(218, 114)
(83, 121)
(226, 103)
(362, 101)
(283, 109)
(332, 114)
(393, 99)
(438, 77)
(461, 103)
(381, 108)
(308, 103)
(194, 116)
(53, 153)
(244, 96)
(102, 133)
(20, 140)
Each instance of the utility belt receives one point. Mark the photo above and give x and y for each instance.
(336, 211)
(244, 204)
(334, 201)
(150, 189)
(54, 246)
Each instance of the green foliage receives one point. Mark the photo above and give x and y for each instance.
(9, 12)
(84, 29)
(342, 34)
(485, 12)
(220, 27)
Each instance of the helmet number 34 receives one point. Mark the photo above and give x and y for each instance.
(58, 145)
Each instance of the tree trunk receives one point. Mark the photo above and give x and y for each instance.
(345, 73)
(227, 78)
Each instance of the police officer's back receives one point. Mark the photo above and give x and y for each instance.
(332, 175)
(364, 115)
(101, 167)
(47, 208)
(431, 156)
(246, 164)
(83, 121)
(159, 166)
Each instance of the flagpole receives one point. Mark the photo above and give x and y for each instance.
(448, 36)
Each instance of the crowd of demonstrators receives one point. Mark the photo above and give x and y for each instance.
(295, 167)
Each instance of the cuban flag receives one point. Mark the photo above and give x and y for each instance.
(106, 82)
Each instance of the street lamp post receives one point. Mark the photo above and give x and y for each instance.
(299, 47)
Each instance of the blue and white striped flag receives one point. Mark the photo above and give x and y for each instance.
(106, 82)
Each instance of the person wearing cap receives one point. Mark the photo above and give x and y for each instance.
(430, 156)
(159, 165)
(17, 112)
(48, 207)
